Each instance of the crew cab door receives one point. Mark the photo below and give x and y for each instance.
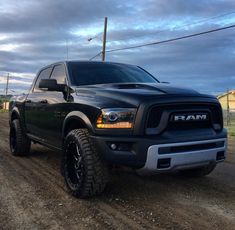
(55, 107)
(34, 119)
(46, 109)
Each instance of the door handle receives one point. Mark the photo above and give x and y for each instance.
(44, 101)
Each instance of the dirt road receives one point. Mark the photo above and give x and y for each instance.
(33, 196)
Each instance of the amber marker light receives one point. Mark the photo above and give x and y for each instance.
(99, 120)
(119, 125)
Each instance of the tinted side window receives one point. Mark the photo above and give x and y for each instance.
(59, 74)
(43, 75)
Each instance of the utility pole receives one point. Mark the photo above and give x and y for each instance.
(5, 104)
(104, 38)
(8, 76)
(228, 112)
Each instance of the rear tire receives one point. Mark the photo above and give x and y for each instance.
(84, 171)
(199, 172)
(19, 142)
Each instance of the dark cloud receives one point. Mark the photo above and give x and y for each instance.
(34, 34)
(50, 15)
(189, 8)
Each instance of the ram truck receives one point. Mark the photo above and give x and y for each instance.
(100, 114)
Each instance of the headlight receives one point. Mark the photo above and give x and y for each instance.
(116, 118)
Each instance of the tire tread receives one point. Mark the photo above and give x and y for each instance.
(96, 175)
(23, 143)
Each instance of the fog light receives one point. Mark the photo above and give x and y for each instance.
(113, 146)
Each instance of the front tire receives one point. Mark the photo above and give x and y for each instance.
(19, 142)
(199, 172)
(84, 171)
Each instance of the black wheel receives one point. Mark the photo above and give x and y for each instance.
(84, 171)
(19, 142)
(199, 172)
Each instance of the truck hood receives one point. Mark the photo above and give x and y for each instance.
(133, 93)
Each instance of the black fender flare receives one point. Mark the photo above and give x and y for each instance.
(77, 115)
(16, 111)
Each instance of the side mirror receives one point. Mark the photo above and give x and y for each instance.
(51, 85)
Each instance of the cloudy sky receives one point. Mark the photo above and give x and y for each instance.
(34, 33)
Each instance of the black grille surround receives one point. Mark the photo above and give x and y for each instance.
(159, 117)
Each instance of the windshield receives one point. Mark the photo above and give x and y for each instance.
(104, 73)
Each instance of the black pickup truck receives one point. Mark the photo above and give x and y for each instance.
(101, 114)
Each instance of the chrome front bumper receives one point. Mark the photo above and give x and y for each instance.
(184, 155)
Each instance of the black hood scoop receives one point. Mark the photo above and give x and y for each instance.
(137, 86)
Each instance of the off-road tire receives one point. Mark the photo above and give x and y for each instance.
(19, 142)
(199, 172)
(84, 171)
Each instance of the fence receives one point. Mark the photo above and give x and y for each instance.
(229, 121)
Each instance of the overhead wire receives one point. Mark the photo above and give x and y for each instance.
(186, 25)
(95, 56)
(178, 38)
(172, 39)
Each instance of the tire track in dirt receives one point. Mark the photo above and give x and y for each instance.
(39, 170)
(35, 173)
(20, 197)
(103, 205)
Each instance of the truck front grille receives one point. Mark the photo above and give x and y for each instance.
(159, 117)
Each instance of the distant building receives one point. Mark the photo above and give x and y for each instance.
(228, 98)
(5, 105)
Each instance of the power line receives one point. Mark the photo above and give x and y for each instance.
(206, 19)
(96, 36)
(176, 27)
(166, 41)
(172, 39)
(95, 56)
(189, 24)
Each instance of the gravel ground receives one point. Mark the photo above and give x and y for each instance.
(33, 196)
